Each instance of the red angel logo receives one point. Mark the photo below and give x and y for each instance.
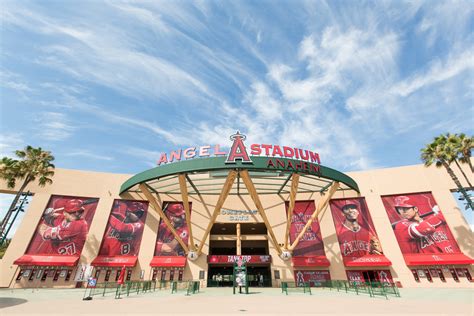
(238, 150)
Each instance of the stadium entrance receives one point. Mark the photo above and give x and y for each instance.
(231, 242)
(221, 276)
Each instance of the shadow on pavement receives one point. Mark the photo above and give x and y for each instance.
(10, 301)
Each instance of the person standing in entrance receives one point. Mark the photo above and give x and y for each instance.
(260, 280)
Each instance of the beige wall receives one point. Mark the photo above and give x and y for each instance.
(373, 184)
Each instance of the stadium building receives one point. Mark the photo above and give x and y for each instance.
(276, 208)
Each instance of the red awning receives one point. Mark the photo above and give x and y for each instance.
(437, 259)
(311, 261)
(367, 261)
(44, 260)
(173, 261)
(116, 261)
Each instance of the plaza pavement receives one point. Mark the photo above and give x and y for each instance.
(220, 301)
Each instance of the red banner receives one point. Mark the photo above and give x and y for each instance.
(236, 259)
(166, 243)
(311, 244)
(355, 276)
(63, 226)
(383, 276)
(116, 261)
(124, 229)
(310, 261)
(421, 230)
(356, 233)
(367, 261)
(314, 277)
(173, 261)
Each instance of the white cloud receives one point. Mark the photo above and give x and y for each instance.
(54, 126)
(9, 142)
(336, 80)
(88, 154)
(446, 21)
(109, 57)
(148, 157)
(439, 71)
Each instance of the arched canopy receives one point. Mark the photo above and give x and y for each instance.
(261, 175)
(270, 175)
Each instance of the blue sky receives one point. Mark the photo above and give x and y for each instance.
(108, 86)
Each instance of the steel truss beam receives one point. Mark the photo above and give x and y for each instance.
(158, 209)
(220, 202)
(244, 174)
(322, 203)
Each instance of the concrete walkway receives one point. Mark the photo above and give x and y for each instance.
(213, 301)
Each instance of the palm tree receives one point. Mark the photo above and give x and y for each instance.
(34, 164)
(466, 145)
(439, 153)
(454, 151)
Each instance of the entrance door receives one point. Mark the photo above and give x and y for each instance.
(255, 274)
(370, 276)
(220, 276)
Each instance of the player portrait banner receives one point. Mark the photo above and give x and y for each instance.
(311, 244)
(314, 277)
(123, 234)
(422, 231)
(62, 230)
(358, 240)
(166, 243)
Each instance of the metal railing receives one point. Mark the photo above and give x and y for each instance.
(371, 288)
(137, 287)
(295, 287)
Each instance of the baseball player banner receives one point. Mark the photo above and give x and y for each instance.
(166, 243)
(311, 244)
(356, 234)
(124, 230)
(315, 278)
(63, 226)
(421, 230)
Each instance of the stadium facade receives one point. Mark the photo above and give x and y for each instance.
(277, 208)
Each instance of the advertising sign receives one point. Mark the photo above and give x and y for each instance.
(166, 243)
(355, 276)
(124, 229)
(238, 151)
(239, 259)
(314, 277)
(421, 230)
(356, 233)
(240, 278)
(63, 226)
(91, 283)
(227, 215)
(311, 244)
(384, 276)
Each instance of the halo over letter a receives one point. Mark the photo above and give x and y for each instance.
(238, 151)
